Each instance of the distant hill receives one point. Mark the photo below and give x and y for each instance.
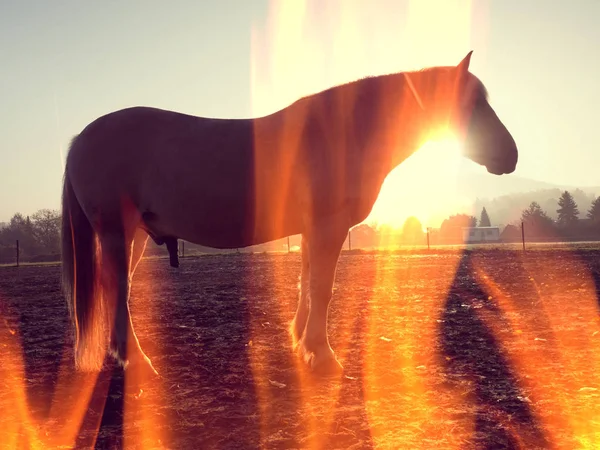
(505, 197)
(485, 186)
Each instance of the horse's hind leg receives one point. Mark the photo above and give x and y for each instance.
(137, 251)
(299, 323)
(325, 243)
(116, 281)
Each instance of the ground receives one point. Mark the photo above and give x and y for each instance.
(441, 349)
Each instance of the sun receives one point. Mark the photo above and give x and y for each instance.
(424, 185)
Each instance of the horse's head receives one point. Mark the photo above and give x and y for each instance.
(452, 97)
(484, 137)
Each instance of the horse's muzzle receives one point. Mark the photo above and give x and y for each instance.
(503, 165)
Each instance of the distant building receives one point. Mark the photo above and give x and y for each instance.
(481, 234)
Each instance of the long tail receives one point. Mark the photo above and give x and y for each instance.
(80, 284)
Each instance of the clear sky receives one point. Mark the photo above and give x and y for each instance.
(65, 63)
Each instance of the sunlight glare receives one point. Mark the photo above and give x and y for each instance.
(425, 186)
(292, 57)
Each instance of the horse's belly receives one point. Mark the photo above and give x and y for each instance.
(221, 223)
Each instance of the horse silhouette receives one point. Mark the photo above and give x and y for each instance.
(314, 168)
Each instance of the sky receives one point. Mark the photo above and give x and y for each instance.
(65, 63)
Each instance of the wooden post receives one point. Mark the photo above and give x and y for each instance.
(288, 244)
(17, 253)
(183, 249)
(523, 234)
(350, 240)
(427, 238)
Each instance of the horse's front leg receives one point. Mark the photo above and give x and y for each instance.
(325, 242)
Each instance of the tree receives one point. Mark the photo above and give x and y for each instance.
(534, 211)
(484, 220)
(567, 211)
(511, 233)
(451, 228)
(412, 231)
(364, 235)
(40, 234)
(594, 211)
(459, 220)
(46, 229)
(536, 220)
(21, 229)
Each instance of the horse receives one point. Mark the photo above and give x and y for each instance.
(313, 168)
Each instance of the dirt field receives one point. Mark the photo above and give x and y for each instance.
(441, 349)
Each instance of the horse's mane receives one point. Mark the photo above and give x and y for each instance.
(365, 81)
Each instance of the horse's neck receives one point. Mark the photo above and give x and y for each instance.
(394, 116)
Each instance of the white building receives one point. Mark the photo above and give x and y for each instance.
(481, 234)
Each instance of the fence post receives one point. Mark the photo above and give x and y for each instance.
(183, 249)
(17, 253)
(523, 234)
(350, 240)
(427, 238)
(288, 239)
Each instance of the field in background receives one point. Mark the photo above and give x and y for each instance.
(447, 348)
(160, 252)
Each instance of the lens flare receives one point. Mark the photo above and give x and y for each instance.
(399, 369)
(346, 51)
(78, 399)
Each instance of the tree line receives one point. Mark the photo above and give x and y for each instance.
(568, 225)
(507, 209)
(39, 234)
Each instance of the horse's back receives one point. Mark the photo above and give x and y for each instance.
(193, 175)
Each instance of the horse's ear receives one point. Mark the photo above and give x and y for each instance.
(463, 66)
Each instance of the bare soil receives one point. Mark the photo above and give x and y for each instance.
(456, 349)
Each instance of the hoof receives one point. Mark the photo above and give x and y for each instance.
(326, 367)
(322, 361)
(142, 366)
